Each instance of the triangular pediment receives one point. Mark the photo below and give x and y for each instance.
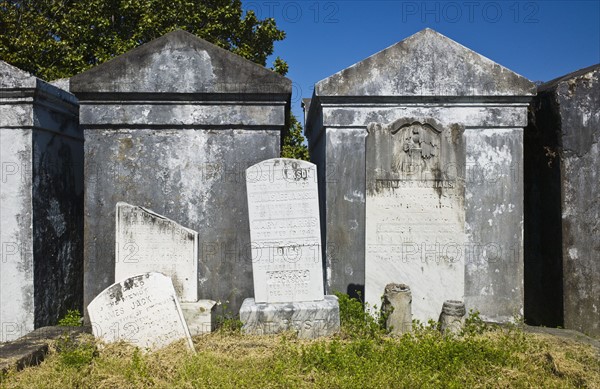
(426, 64)
(180, 62)
(12, 77)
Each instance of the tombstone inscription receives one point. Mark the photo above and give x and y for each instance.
(284, 231)
(415, 218)
(142, 310)
(283, 208)
(147, 241)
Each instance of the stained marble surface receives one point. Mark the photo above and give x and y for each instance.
(311, 319)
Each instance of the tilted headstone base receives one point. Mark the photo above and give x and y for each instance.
(310, 319)
(199, 316)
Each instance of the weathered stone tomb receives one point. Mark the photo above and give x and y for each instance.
(41, 203)
(419, 150)
(171, 126)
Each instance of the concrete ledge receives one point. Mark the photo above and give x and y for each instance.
(310, 319)
(31, 349)
(565, 334)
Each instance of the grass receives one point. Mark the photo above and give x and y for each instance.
(362, 355)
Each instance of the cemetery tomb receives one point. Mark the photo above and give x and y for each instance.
(562, 204)
(419, 150)
(171, 126)
(41, 203)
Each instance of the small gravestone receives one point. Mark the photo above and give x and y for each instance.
(452, 318)
(147, 241)
(142, 310)
(285, 236)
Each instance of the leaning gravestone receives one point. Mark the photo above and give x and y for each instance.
(147, 241)
(142, 310)
(285, 237)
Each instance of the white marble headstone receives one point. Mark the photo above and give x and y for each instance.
(415, 217)
(142, 310)
(147, 241)
(283, 208)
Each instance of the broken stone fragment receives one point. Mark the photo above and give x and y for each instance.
(452, 317)
(397, 308)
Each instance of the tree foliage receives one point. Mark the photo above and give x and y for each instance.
(293, 144)
(59, 38)
(54, 39)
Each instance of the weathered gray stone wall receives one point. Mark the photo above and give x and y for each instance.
(344, 229)
(57, 213)
(565, 134)
(192, 176)
(16, 276)
(41, 206)
(339, 155)
(494, 221)
(177, 139)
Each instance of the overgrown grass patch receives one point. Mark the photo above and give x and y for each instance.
(362, 355)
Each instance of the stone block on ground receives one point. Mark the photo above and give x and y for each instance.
(310, 319)
(199, 316)
(31, 349)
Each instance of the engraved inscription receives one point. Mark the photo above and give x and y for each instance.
(414, 217)
(284, 230)
(146, 241)
(142, 310)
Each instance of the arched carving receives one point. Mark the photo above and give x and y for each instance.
(416, 149)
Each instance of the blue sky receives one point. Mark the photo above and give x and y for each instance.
(540, 40)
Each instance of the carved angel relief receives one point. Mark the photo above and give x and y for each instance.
(416, 149)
